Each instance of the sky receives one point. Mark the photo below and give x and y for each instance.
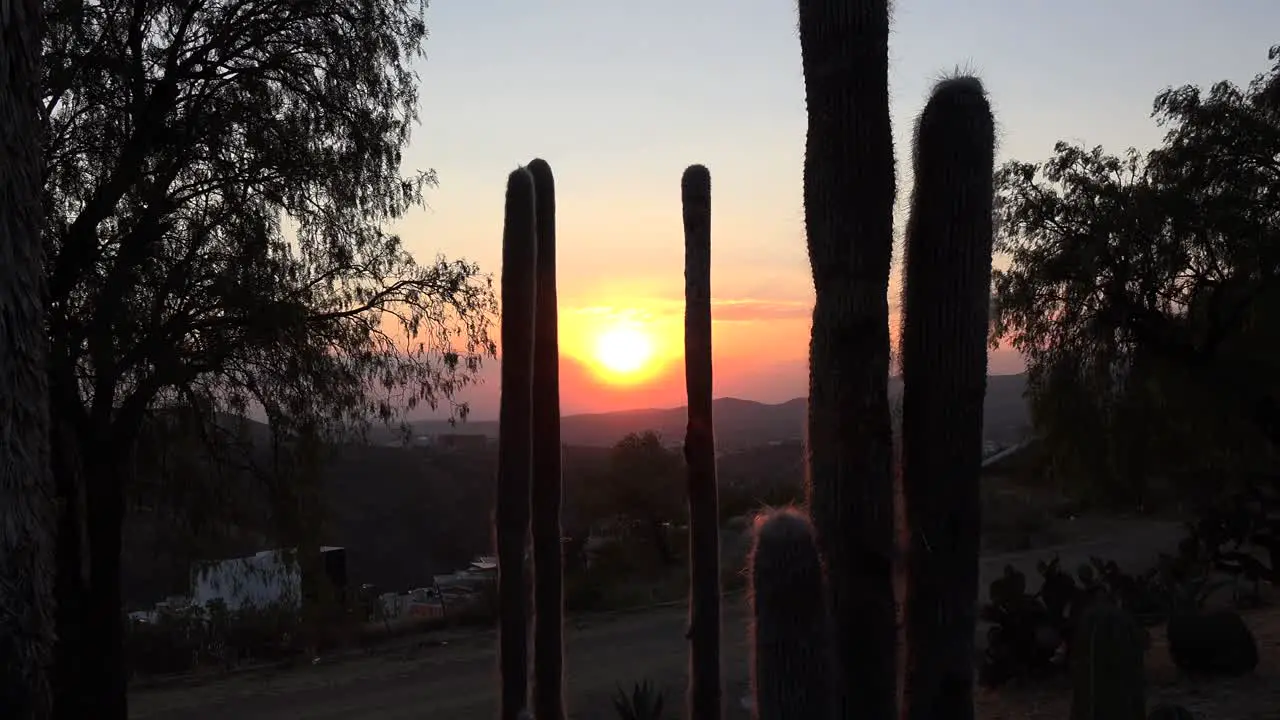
(621, 96)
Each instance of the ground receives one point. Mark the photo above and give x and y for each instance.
(454, 675)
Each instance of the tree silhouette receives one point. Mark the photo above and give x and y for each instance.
(219, 174)
(1144, 290)
(26, 497)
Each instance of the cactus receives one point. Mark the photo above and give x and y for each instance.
(1107, 666)
(792, 656)
(515, 439)
(705, 689)
(945, 305)
(548, 561)
(1170, 712)
(848, 208)
(825, 646)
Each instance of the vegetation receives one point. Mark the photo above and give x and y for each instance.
(849, 189)
(1108, 678)
(644, 702)
(547, 484)
(216, 179)
(1212, 644)
(1142, 290)
(515, 440)
(793, 663)
(851, 483)
(27, 511)
(705, 682)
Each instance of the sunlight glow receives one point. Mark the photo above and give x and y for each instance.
(624, 350)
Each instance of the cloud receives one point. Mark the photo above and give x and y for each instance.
(722, 310)
(747, 310)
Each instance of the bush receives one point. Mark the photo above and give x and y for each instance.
(1031, 632)
(643, 703)
(1212, 644)
(186, 639)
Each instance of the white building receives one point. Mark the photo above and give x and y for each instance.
(266, 578)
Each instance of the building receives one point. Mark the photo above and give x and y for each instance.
(266, 578)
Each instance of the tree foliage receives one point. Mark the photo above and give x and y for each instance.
(220, 175)
(642, 489)
(1143, 289)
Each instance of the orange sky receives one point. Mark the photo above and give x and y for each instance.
(620, 100)
(760, 353)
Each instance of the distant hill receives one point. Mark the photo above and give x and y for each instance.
(745, 423)
(405, 513)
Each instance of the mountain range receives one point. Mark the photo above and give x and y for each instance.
(745, 423)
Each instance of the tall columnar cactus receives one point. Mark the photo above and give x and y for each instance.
(848, 209)
(945, 305)
(548, 560)
(1107, 672)
(792, 658)
(705, 689)
(515, 439)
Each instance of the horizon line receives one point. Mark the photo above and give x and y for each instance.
(472, 420)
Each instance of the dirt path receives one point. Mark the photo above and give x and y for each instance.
(458, 681)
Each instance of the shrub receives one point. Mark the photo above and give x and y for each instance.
(1212, 644)
(643, 703)
(1031, 633)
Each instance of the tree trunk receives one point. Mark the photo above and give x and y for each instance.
(72, 577)
(27, 513)
(91, 676)
(658, 535)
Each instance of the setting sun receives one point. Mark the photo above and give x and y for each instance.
(623, 350)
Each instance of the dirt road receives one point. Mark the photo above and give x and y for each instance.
(457, 680)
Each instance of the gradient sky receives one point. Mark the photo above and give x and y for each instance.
(621, 96)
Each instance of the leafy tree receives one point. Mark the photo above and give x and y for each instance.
(218, 176)
(26, 498)
(643, 487)
(1144, 290)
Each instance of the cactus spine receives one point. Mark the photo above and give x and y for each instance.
(705, 690)
(848, 208)
(945, 305)
(1107, 671)
(515, 439)
(548, 561)
(792, 659)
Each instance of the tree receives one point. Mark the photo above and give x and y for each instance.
(219, 174)
(1144, 289)
(643, 487)
(26, 498)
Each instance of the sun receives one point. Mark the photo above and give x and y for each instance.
(623, 350)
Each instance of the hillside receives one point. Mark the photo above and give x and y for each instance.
(406, 513)
(744, 423)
